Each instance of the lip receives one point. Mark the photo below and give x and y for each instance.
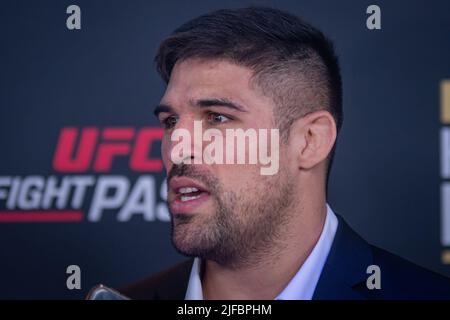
(180, 182)
(186, 207)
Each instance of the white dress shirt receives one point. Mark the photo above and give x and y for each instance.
(303, 284)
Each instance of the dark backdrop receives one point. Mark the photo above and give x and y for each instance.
(386, 177)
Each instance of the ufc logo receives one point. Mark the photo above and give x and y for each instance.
(97, 149)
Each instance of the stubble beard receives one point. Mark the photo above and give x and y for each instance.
(243, 228)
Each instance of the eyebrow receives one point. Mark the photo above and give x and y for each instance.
(204, 103)
(221, 102)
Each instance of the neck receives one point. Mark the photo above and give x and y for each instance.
(267, 277)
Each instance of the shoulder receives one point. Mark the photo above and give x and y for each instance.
(346, 273)
(169, 284)
(402, 279)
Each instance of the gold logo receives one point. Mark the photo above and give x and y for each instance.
(445, 169)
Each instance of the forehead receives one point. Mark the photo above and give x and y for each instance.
(194, 79)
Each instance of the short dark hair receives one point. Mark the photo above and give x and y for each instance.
(292, 61)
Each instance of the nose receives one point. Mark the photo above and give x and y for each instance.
(184, 143)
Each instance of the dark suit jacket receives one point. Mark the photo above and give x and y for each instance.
(343, 276)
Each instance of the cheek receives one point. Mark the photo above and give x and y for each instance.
(238, 177)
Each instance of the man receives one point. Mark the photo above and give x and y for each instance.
(255, 236)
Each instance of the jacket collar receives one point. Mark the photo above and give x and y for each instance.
(344, 274)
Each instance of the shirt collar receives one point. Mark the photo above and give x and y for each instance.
(303, 284)
(194, 289)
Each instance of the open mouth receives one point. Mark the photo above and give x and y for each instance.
(186, 195)
(189, 193)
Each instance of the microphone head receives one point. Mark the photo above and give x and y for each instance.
(101, 292)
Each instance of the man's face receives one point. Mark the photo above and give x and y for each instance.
(221, 212)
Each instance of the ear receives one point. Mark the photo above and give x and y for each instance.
(313, 136)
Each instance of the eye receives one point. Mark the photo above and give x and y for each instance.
(214, 117)
(169, 122)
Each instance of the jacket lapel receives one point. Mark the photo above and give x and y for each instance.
(344, 274)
